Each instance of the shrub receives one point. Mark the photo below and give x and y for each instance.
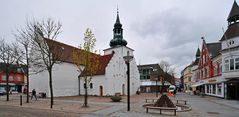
(116, 98)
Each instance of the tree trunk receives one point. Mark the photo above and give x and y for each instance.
(50, 84)
(86, 94)
(7, 78)
(27, 74)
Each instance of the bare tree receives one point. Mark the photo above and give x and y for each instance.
(85, 56)
(45, 53)
(23, 36)
(167, 70)
(7, 56)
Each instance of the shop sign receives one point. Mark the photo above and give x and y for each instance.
(212, 80)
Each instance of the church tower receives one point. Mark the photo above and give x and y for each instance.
(117, 34)
(116, 67)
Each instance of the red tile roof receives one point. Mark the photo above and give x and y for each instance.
(67, 50)
(104, 60)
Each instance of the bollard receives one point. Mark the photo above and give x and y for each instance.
(21, 100)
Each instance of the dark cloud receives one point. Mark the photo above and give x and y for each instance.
(174, 34)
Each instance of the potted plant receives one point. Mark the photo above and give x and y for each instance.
(116, 98)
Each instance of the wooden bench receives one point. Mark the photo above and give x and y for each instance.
(160, 109)
(152, 100)
(185, 102)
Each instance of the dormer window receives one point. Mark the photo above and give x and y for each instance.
(231, 42)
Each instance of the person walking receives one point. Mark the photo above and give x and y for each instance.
(34, 94)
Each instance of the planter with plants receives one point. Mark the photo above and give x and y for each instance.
(116, 98)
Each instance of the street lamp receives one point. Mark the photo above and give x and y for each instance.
(127, 60)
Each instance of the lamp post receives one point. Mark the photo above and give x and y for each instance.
(127, 60)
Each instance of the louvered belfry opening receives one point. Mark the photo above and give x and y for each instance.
(164, 101)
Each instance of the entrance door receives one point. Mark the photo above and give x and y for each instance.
(101, 90)
(231, 91)
(123, 88)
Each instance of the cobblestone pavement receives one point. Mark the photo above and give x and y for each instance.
(103, 107)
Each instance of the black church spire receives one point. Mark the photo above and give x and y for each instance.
(117, 34)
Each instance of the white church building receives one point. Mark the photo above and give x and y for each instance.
(109, 80)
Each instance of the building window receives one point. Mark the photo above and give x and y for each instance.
(215, 70)
(214, 89)
(207, 88)
(226, 65)
(237, 63)
(4, 78)
(84, 86)
(10, 78)
(19, 78)
(219, 88)
(231, 64)
(220, 68)
(91, 85)
(205, 72)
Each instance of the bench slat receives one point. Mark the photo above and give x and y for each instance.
(160, 109)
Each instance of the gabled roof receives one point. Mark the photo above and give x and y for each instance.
(196, 61)
(67, 51)
(213, 49)
(232, 31)
(104, 60)
(234, 11)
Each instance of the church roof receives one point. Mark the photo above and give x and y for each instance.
(67, 51)
(234, 11)
(104, 60)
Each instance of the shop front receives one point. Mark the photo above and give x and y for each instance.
(215, 87)
(232, 89)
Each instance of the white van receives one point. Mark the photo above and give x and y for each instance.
(172, 89)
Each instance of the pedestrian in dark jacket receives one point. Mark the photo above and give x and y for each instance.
(34, 94)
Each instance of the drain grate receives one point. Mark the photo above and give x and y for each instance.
(213, 112)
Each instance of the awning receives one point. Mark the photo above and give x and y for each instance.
(146, 83)
(153, 83)
(6, 84)
(197, 84)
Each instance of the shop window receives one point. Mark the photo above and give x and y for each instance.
(208, 88)
(214, 89)
(219, 89)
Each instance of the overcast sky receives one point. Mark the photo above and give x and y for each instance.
(156, 29)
